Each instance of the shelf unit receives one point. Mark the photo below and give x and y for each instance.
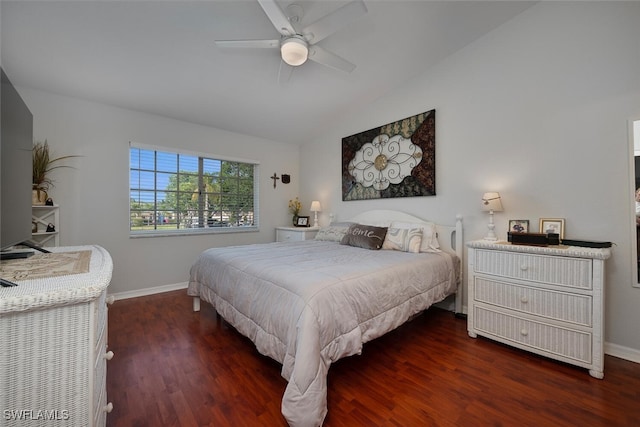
(41, 217)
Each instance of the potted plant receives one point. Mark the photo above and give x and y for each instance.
(42, 165)
(294, 208)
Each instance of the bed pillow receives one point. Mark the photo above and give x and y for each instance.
(364, 236)
(429, 235)
(334, 232)
(403, 239)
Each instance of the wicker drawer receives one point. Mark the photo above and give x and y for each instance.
(100, 414)
(537, 336)
(100, 367)
(561, 306)
(553, 270)
(101, 312)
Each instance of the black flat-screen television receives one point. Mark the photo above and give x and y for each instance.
(16, 142)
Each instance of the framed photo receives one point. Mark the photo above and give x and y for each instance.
(552, 225)
(519, 225)
(302, 221)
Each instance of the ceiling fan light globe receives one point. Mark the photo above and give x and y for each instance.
(294, 51)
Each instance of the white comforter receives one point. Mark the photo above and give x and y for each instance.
(308, 304)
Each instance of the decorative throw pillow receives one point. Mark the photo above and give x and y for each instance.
(333, 233)
(429, 234)
(403, 239)
(364, 236)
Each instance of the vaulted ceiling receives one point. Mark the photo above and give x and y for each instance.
(160, 57)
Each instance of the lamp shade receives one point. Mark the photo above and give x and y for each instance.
(294, 51)
(316, 206)
(491, 202)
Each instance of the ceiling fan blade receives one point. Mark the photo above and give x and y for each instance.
(334, 21)
(284, 72)
(326, 58)
(277, 17)
(256, 44)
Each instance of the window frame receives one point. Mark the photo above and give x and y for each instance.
(200, 156)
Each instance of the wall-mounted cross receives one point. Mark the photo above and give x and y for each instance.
(274, 178)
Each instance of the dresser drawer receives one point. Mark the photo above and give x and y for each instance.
(537, 336)
(553, 270)
(292, 234)
(289, 236)
(560, 306)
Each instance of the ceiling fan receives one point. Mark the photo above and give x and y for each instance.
(296, 46)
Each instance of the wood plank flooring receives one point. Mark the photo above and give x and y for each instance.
(174, 367)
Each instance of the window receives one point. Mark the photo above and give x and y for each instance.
(185, 193)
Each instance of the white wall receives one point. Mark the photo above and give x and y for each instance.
(94, 196)
(538, 110)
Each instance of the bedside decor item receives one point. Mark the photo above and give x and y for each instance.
(393, 160)
(519, 225)
(533, 239)
(294, 208)
(275, 179)
(586, 243)
(302, 221)
(42, 165)
(491, 203)
(315, 208)
(552, 226)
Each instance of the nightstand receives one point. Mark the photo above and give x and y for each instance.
(547, 300)
(295, 234)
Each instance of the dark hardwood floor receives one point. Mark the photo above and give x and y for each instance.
(174, 367)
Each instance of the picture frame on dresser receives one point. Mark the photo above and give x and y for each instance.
(519, 225)
(302, 221)
(552, 225)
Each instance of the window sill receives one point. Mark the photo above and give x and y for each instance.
(192, 232)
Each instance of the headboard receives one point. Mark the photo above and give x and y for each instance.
(450, 237)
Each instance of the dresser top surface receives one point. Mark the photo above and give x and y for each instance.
(43, 291)
(555, 250)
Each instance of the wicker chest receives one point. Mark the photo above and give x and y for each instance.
(547, 300)
(53, 347)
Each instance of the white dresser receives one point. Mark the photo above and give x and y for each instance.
(53, 347)
(547, 300)
(295, 234)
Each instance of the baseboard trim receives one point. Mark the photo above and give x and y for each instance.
(149, 291)
(626, 353)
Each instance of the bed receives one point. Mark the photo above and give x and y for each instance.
(307, 304)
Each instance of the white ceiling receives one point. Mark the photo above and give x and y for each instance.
(159, 57)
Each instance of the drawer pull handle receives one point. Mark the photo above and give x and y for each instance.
(524, 267)
(108, 355)
(524, 300)
(108, 407)
(524, 332)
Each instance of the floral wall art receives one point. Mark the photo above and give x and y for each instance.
(394, 160)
